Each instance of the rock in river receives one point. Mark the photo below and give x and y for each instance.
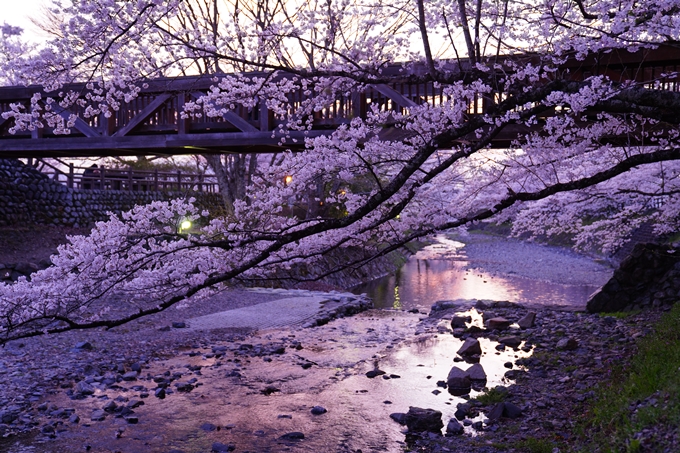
(458, 381)
(419, 420)
(471, 346)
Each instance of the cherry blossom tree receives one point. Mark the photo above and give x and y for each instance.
(594, 155)
(12, 47)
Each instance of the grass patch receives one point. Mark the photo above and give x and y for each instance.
(492, 396)
(651, 378)
(533, 445)
(620, 314)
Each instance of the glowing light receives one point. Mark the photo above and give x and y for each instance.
(288, 179)
(185, 225)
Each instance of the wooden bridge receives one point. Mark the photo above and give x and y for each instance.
(152, 123)
(97, 177)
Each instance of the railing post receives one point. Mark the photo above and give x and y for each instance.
(130, 178)
(155, 180)
(70, 175)
(102, 178)
(179, 181)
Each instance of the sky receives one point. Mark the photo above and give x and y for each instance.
(17, 13)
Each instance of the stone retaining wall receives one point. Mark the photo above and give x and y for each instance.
(28, 196)
(649, 276)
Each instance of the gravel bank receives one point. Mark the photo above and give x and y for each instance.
(504, 256)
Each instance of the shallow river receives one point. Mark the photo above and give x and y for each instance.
(231, 404)
(444, 271)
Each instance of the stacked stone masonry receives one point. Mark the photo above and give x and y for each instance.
(649, 276)
(28, 196)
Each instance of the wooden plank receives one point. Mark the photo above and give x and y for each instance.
(80, 124)
(144, 114)
(265, 120)
(238, 122)
(394, 95)
(182, 123)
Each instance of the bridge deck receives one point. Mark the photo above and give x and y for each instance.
(152, 123)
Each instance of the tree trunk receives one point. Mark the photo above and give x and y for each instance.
(233, 172)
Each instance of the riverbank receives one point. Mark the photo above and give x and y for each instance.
(156, 386)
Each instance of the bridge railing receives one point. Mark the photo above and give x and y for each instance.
(102, 178)
(152, 123)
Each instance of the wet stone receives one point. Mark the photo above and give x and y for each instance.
(458, 381)
(527, 321)
(295, 435)
(477, 372)
(399, 417)
(511, 341)
(470, 347)
(208, 427)
(498, 323)
(179, 325)
(453, 428)
(460, 321)
(318, 410)
(418, 419)
(219, 447)
(373, 373)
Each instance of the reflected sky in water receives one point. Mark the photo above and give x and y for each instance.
(438, 273)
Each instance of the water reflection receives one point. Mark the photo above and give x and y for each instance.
(439, 273)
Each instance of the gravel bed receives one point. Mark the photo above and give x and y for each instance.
(499, 255)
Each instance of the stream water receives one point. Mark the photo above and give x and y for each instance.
(443, 271)
(231, 397)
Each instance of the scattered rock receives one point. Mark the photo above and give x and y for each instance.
(453, 428)
(498, 323)
(295, 435)
(567, 344)
(318, 410)
(98, 415)
(179, 325)
(460, 321)
(373, 373)
(419, 420)
(84, 345)
(477, 372)
(527, 321)
(511, 341)
(219, 447)
(458, 381)
(470, 347)
(399, 417)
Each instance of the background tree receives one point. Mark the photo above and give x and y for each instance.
(593, 155)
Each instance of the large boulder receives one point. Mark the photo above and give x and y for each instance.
(477, 372)
(458, 382)
(419, 420)
(471, 346)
